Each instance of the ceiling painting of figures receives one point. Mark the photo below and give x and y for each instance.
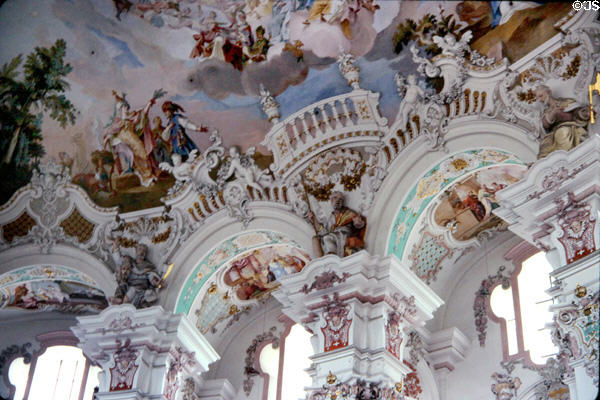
(243, 281)
(123, 92)
(466, 207)
(50, 288)
(253, 275)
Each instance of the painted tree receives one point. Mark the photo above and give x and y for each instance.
(23, 103)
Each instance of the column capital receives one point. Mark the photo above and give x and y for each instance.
(555, 206)
(361, 276)
(143, 352)
(359, 309)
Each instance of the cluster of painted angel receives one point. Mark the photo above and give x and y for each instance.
(241, 33)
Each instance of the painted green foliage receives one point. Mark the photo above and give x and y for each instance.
(423, 31)
(27, 92)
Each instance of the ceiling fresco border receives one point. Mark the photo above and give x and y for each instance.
(44, 272)
(435, 182)
(220, 255)
(50, 287)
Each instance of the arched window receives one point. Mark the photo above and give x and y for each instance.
(57, 372)
(524, 309)
(284, 368)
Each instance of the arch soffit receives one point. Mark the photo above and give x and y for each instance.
(276, 222)
(405, 172)
(61, 255)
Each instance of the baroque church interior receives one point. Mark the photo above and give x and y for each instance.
(290, 199)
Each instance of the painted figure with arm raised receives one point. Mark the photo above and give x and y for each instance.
(175, 132)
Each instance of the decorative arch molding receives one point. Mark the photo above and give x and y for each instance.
(275, 219)
(432, 184)
(51, 212)
(63, 255)
(427, 381)
(44, 272)
(405, 170)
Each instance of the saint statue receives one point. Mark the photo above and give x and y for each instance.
(138, 280)
(563, 120)
(344, 232)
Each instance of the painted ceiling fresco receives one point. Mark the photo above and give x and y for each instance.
(466, 207)
(244, 281)
(455, 221)
(112, 83)
(262, 247)
(50, 288)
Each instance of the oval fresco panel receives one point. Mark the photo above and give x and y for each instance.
(466, 207)
(253, 275)
(50, 288)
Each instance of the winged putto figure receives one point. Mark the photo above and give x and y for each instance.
(451, 47)
(182, 171)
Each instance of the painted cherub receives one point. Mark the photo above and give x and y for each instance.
(412, 94)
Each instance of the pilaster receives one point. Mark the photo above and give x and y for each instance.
(144, 353)
(556, 206)
(359, 309)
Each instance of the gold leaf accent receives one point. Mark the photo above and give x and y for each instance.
(19, 227)
(76, 225)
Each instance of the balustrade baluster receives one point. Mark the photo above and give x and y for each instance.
(296, 134)
(315, 122)
(336, 114)
(306, 129)
(326, 120)
(347, 113)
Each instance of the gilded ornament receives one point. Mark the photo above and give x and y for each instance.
(398, 386)
(528, 96)
(572, 68)
(162, 237)
(212, 289)
(233, 309)
(580, 291)
(459, 164)
(331, 378)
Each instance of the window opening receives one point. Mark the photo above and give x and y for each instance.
(17, 376)
(533, 281)
(60, 373)
(525, 309)
(269, 364)
(298, 350)
(502, 304)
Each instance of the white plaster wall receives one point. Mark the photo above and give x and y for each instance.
(235, 341)
(23, 327)
(18, 327)
(471, 378)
